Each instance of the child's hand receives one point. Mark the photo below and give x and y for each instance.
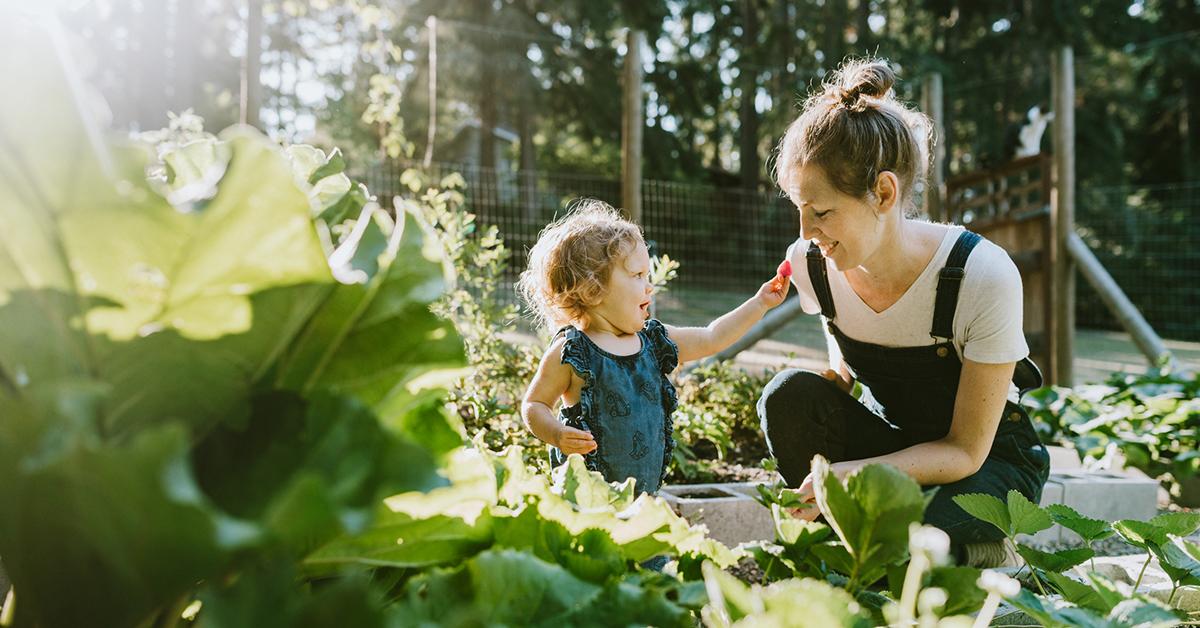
(574, 441)
(775, 291)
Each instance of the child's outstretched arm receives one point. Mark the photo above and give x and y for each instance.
(700, 342)
(553, 378)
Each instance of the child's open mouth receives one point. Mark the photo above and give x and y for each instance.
(645, 307)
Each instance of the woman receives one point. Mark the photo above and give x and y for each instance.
(926, 316)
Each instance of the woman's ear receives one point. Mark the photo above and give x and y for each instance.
(887, 191)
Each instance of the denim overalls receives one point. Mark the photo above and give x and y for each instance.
(804, 414)
(626, 403)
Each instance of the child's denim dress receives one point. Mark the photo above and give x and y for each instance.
(626, 403)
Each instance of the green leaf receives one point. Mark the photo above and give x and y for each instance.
(1079, 593)
(964, 596)
(1143, 613)
(399, 541)
(1027, 517)
(516, 588)
(588, 489)
(986, 508)
(1140, 533)
(115, 529)
(1180, 559)
(1177, 523)
(1090, 530)
(1059, 561)
(871, 515)
(335, 164)
(271, 596)
(310, 470)
(805, 603)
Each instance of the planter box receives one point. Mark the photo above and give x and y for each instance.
(1100, 495)
(729, 511)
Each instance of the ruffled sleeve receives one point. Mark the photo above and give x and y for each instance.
(576, 353)
(666, 353)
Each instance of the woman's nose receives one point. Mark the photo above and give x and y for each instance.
(806, 229)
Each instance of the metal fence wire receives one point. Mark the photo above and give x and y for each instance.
(724, 239)
(732, 239)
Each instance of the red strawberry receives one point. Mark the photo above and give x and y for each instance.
(785, 269)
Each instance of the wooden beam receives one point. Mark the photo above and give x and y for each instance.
(1122, 308)
(1062, 217)
(771, 323)
(632, 123)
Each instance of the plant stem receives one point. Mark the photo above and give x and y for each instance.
(988, 611)
(912, 586)
(1137, 585)
(1172, 597)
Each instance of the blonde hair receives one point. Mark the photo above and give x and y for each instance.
(571, 263)
(854, 129)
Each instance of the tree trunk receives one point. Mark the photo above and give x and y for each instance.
(748, 127)
(864, 38)
(836, 15)
(488, 106)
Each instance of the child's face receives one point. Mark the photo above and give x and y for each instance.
(847, 229)
(626, 303)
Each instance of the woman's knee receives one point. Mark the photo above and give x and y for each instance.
(792, 396)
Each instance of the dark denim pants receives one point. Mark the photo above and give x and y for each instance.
(804, 414)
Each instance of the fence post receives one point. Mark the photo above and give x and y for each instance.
(251, 97)
(1062, 218)
(935, 185)
(632, 123)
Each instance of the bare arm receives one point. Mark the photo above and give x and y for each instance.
(982, 391)
(552, 379)
(699, 342)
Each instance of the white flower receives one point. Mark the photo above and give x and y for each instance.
(996, 583)
(932, 599)
(930, 541)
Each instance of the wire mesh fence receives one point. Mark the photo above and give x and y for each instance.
(730, 240)
(724, 239)
(1148, 238)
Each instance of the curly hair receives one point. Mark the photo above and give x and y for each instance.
(571, 263)
(854, 129)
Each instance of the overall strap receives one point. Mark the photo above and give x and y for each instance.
(949, 281)
(818, 274)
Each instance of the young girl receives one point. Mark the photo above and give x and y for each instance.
(589, 276)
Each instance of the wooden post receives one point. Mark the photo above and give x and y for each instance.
(431, 26)
(1062, 217)
(631, 132)
(935, 184)
(251, 97)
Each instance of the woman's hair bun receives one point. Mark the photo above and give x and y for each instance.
(855, 79)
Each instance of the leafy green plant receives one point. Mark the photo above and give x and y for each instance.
(1152, 420)
(716, 418)
(204, 372)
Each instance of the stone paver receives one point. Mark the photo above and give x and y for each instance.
(729, 511)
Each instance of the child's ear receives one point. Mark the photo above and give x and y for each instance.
(887, 191)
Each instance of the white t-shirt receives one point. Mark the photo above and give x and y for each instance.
(987, 321)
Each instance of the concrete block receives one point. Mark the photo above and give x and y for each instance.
(729, 511)
(1100, 495)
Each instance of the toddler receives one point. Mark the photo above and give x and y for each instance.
(609, 363)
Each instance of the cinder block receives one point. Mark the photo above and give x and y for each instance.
(729, 511)
(1100, 495)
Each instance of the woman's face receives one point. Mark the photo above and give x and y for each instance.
(847, 229)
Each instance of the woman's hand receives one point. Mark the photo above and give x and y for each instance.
(836, 378)
(809, 510)
(574, 441)
(807, 496)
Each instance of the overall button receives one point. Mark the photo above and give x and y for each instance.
(1014, 416)
(942, 352)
